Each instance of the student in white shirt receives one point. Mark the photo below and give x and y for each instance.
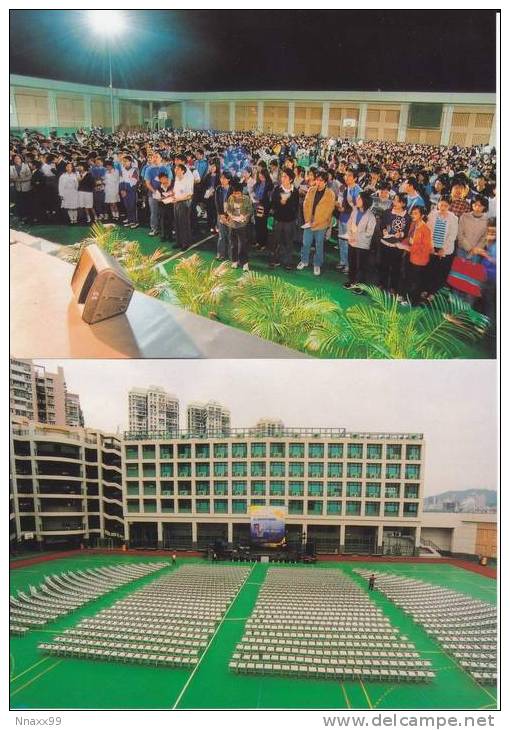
(183, 194)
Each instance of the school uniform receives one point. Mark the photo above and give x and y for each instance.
(68, 191)
(111, 187)
(127, 187)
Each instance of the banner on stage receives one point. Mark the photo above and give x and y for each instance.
(267, 525)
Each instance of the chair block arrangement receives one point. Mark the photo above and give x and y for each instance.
(167, 623)
(61, 594)
(465, 627)
(321, 624)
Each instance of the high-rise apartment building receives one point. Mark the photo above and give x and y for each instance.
(208, 419)
(153, 410)
(40, 395)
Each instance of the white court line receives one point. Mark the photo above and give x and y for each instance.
(183, 690)
(161, 265)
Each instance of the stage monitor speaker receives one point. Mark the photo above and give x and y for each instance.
(100, 285)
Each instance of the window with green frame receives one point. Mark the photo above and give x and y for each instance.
(220, 451)
(412, 491)
(353, 508)
(353, 489)
(184, 451)
(296, 469)
(149, 505)
(239, 469)
(374, 452)
(258, 469)
(239, 506)
(220, 506)
(133, 505)
(372, 509)
(202, 451)
(391, 509)
(166, 451)
(184, 488)
(277, 502)
(202, 488)
(392, 471)
(220, 488)
(315, 451)
(220, 468)
(315, 489)
(277, 469)
(202, 469)
(392, 490)
(131, 452)
(334, 507)
(148, 452)
(258, 502)
(295, 507)
(374, 471)
(277, 450)
(296, 489)
(258, 488)
(354, 471)
(410, 509)
(239, 488)
(132, 470)
(412, 471)
(334, 489)
(315, 469)
(413, 452)
(393, 451)
(335, 470)
(297, 451)
(166, 470)
(239, 450)
(276, 488)
(314, 507)
(184, 470)
(167, 488)
(373, 490)
(202, 505)
(354, 451)
(149, 470)
(258, 450)
(184, 506)
(133, 488)
(167, 505)
(149, 488)
(335, 451)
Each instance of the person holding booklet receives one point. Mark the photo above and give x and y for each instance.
(285, 206)
(318, 208)
(395, 224)
(239, 210)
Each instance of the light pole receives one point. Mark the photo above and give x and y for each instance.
(110, 24)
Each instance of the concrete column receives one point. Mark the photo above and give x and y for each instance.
(260, 115)
(13, 113)
(116, 113)
(87, 105)
(183, 114)
(207, 114)
(362, 120)
(159, 526)
(292, 113)
(325, 119)
(446, 126)
(230, 533)
(52, 108)
(342, 537)
(417, 538)
(380, 538)
(402, 122)
(151, 112)
(194, 532)
(494, 130)
(231, 115)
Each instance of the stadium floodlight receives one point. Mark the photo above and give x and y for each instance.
(110, 24)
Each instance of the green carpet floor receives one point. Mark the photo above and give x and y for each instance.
(43, 682)
(329, 283)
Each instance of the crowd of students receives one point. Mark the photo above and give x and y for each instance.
(411, 217)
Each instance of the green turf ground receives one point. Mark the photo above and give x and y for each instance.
(329, 283)
(44, 682)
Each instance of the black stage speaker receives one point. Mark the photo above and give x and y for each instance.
(101, 285)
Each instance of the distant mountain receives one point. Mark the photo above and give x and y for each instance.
(485, 498)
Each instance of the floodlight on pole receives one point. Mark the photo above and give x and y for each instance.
(110, 24)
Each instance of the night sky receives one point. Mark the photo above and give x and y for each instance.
(230, 50)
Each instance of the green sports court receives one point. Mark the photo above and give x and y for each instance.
(39, 681)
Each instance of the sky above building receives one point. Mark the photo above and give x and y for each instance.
(453, 402)
(233, 50)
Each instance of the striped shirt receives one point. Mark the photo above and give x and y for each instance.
(439, 233)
